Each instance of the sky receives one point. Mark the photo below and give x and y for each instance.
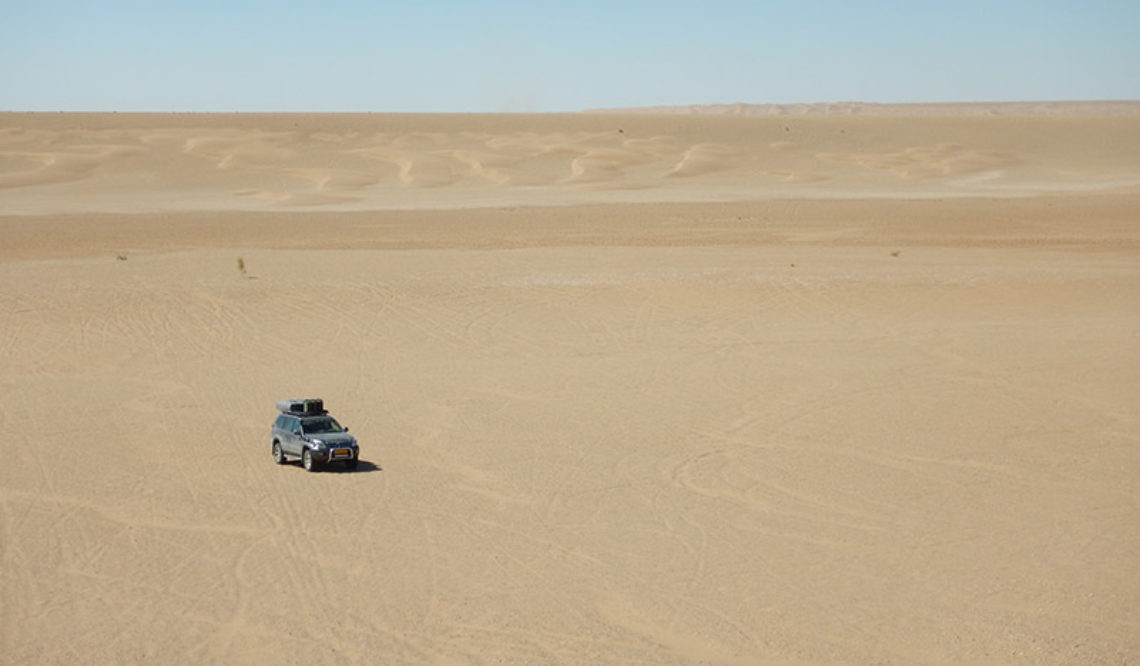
(513, 56)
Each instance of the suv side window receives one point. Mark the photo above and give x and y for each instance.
(282, 421)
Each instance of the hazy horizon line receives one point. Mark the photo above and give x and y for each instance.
(658, 108)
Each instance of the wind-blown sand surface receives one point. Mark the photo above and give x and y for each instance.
(629, 388)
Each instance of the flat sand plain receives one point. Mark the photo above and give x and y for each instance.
(631, 389)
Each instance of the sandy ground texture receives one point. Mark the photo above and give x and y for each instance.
(630, 389)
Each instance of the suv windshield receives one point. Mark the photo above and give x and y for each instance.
(316, 426)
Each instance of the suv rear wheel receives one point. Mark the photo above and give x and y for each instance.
(278, 454)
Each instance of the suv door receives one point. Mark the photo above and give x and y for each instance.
(291, 436)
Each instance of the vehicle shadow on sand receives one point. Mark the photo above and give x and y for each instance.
(362, 466)
(339, 468)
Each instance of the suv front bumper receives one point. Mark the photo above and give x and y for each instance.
(336, 454)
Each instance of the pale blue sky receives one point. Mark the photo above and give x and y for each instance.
(450, 56)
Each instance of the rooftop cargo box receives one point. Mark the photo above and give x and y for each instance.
(303, 406)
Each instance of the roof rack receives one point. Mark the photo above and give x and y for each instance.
(302, 407)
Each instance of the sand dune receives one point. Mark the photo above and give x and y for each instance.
(928, 162)
(630, 389)
(52, 164)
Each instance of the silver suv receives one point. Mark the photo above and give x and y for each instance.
(305, 430)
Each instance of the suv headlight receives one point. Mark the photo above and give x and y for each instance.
(318, 445)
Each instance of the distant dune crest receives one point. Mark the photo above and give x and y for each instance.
(1106, 108)
(132, 163)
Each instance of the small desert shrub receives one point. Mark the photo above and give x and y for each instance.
(241, 265)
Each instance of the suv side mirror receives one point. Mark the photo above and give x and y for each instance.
(346, 429)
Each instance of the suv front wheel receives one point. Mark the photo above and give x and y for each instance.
(307, 460)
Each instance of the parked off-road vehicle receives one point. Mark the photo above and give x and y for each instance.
(305, 430)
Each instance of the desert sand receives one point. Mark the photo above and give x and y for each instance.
(641, 388)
